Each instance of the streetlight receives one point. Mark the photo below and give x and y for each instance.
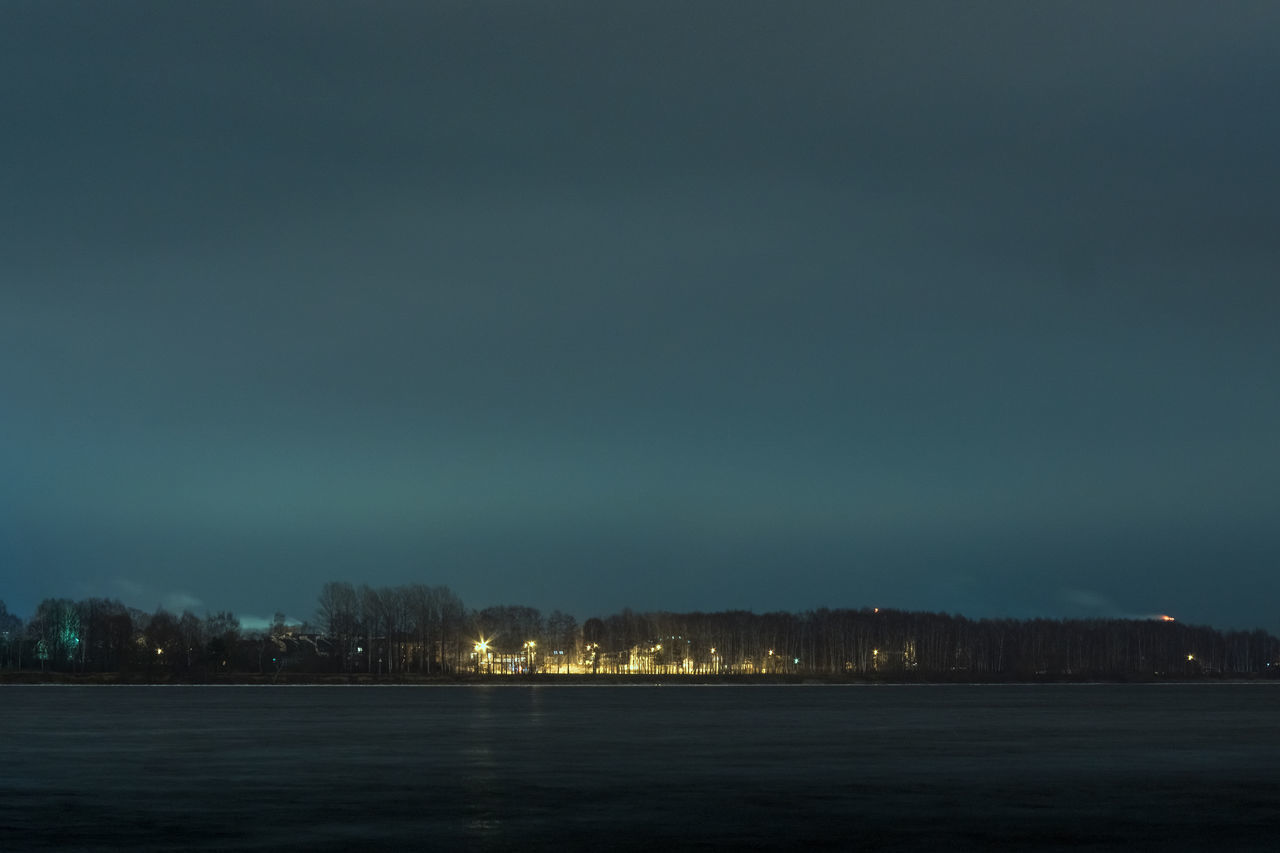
(528, 655)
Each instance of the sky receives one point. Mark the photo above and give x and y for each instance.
(666, 305)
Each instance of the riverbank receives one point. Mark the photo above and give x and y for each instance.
(552, 679)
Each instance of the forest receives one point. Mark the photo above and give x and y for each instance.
(426, 632)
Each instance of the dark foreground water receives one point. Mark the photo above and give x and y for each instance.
(1079, 767)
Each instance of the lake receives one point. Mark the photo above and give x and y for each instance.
(1047, 767)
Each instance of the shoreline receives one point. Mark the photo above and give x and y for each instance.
(566, 680)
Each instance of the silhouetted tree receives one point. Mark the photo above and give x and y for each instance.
(338, 615)
(11, 638)
(163, 638)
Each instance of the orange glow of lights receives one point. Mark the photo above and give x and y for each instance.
(1165, 617)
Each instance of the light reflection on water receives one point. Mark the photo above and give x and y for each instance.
(479, 766)
(514, 767)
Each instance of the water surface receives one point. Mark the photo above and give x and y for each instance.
(1154, 767)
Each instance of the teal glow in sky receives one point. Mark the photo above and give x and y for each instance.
(670, 306)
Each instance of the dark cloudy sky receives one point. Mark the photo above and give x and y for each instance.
(953, 306)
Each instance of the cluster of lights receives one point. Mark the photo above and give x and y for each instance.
(640, 658)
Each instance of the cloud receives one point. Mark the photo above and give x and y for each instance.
(141, 595)
(869, 287)
(131, 592)
(1099, 604)
(250, 623)
(177, 602)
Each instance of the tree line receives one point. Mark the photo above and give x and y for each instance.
(427, 631)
